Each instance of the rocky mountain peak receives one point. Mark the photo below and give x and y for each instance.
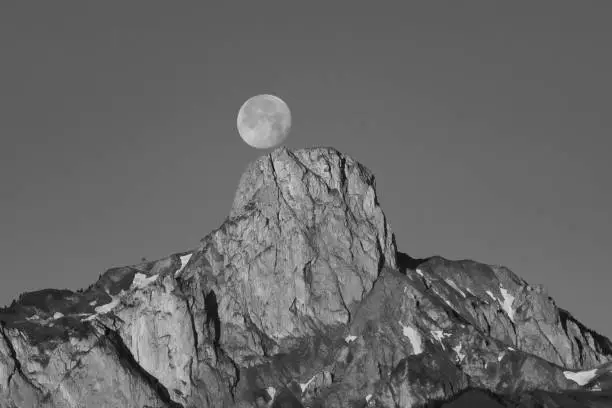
(305, 240)
(300, 299)
(318, 192)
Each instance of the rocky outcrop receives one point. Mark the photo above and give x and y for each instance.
(299, 299)
(507, 308)
(305, 240)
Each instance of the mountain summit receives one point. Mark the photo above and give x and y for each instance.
(301, 299)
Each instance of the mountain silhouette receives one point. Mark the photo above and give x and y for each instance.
(301, 299)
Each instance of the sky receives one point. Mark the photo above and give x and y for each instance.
(487, 125)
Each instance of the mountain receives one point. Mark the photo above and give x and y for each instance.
(301, 299)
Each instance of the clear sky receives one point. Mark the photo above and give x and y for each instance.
(487, 125)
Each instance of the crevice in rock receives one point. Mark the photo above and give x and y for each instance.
(339, 290)
(233, 385)
(382, 374)
(308, 273)
(484, 317)
(213, 327)
(274, 270)
(307, 169)
(381, 257)
(129, 362)
(193, 326)
(343, 178)
(211, 308)
(265, 342)
(281, 197)
(513, 329)
(459, 317)
(393, 394)
(557, 352)
(563, 316)
(580, 351)
(293, 307)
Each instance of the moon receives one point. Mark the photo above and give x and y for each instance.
(264, 121)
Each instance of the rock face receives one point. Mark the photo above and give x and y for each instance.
(306, 239)
(300, 299)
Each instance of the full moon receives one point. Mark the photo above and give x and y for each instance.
(264, 121)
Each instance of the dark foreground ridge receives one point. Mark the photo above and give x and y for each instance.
(301, 299)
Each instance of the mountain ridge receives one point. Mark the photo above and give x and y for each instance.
(300, 296)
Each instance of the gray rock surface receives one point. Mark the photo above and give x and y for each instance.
(300, 299)
(305, 240)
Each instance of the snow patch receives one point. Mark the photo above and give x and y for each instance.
(89, 318)
(141, 280)
(93, 303)
(415, 338)
(57, 315)
(35, 317)
(454, 286)
(501, 356)
(439, 335)
(419, 272)
(349, 338)
(491, 295)
(507, 304)
(368, 397)
(109, 306)
(457, 350)
(449, 304)
(184, 260)
(580, 377)
(271, 392)
(304, 386)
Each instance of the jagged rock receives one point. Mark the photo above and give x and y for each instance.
(300, 299)
(305, 240)
(505, 307)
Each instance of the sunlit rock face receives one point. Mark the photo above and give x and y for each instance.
(305, 240)
(507, 308)
(300, 299)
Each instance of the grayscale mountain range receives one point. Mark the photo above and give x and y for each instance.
(301, 299)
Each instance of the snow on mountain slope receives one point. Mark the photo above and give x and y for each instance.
(581, 377)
